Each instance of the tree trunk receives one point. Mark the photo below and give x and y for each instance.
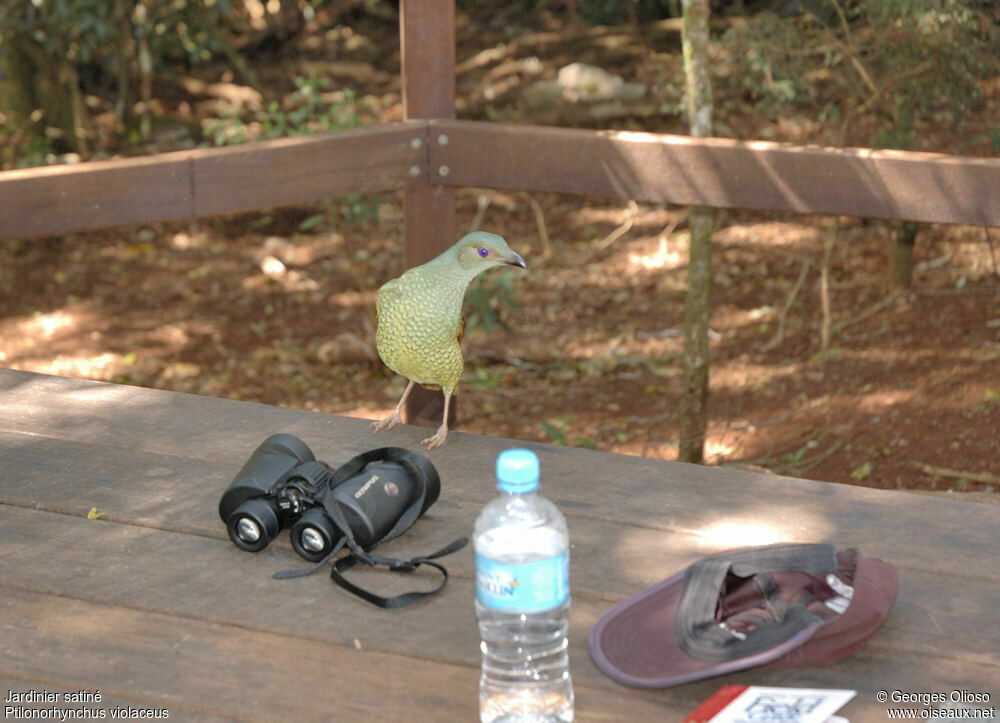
(124, 55)
(901, 256)
(17, 99)
(78, 111)
(16, 87)
(697, 308)
(49, 91)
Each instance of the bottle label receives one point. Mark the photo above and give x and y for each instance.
(528, 587)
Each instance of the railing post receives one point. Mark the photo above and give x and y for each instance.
(427, 37)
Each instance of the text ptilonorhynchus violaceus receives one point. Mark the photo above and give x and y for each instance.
(420, 319)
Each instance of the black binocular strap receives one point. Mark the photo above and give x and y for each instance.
(403, 599)
(422, 471)
(288, 574)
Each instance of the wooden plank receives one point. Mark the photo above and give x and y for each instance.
(429, 219)
(669, 169)
(645, 531)
(297, 170)
(714, 507)
(62, 199)
(427, 40)
(154, 456)
(196, 578)
(429, 216)
(224, 668)
(926, 618)
(88, 706)
(225, 597)
(221, 669)
(719, 172)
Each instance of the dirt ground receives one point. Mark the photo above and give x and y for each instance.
(907, 395)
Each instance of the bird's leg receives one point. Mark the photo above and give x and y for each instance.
(442, 434)
(393, 419)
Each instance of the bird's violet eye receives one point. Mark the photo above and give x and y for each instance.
(484, 252)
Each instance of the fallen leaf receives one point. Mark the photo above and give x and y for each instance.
(862, 472)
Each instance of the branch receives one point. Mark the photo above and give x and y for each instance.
(987, 234)
(624, 228)
(672, 226)
(780, 333)
(870, 311)
(483, 201)
(848, 48)
(543, 234)
(843, 20)
(826, 322)
(984, 477)
(804, 465)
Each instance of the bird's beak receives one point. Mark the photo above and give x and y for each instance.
(515, 260)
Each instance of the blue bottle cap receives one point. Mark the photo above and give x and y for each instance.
(517, 471)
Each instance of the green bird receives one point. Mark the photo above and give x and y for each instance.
(420, 319)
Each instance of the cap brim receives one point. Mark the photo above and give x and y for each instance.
(634, 644)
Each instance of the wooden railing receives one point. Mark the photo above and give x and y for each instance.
(430, 153)
(721, 172)
(170, 186)
(928, 187)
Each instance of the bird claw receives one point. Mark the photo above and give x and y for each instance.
(388, 423)
(438, 439)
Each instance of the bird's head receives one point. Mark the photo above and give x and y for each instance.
(481, 250)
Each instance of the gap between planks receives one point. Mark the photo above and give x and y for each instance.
(588, 598)
(874, 645)
(222, 622)
(191, 530)
(389, 658)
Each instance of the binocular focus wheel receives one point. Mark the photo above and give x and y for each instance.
(253, 525)
(313, 536)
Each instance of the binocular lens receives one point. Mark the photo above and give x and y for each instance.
(312, 540)
(313, 536)
(253, 524)
(248, 530)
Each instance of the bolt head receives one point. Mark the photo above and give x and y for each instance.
(444, 171)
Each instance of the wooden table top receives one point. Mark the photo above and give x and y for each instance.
(154, 607)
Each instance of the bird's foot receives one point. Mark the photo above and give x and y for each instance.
(388, 423)
(438, 439)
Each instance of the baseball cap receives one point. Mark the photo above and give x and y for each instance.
(777, 605)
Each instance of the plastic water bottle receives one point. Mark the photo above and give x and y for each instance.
(522, 599)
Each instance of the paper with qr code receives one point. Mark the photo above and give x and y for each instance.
(755, 704)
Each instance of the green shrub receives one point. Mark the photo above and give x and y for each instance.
(904, 60)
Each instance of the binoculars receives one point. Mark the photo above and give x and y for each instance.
(283, 486)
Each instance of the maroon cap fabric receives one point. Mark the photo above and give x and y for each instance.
(777, 606)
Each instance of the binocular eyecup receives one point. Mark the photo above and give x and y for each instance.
(282, 485)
